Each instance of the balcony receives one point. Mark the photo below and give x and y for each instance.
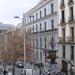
(70, 2)
(67, 40)
(70, 39)
(62, 5)
(62, 39)
(70, 20)
(62, 21)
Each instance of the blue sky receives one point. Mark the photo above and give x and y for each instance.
(11, 8)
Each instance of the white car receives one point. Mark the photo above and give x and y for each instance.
(27, 72)
(9, 73)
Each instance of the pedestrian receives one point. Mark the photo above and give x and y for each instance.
(4, 72)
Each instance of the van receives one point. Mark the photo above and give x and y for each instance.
(27, 72)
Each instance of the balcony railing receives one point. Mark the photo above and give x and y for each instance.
(66, 40)
(62, 21)
(70, 19)
(70, 39)
(70, 2)
(61, 39)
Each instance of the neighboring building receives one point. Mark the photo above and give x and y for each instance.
(19, 27)
(5, 27)
(66, 34)
(41, 22)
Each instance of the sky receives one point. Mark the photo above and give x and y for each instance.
(11, 8)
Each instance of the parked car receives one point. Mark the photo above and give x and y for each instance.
(20, 64)
(46, 73)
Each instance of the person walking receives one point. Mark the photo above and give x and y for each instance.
(4, 72)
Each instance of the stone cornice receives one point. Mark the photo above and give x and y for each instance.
(37, 7)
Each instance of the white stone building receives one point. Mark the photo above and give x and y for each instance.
(66, 34)
(42, 21)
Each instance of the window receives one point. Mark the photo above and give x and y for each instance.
(52, 24)
(24, 21)
(30, 18)
(72, 33)
(36, 28)
(52, 8)
(45, 43)
(36, 42)
(33, 18)
(25, 30)
(41, 55)
(36, 16)
(30, 29)
(30, 41)
(71, 14)
(63, 16)
(33, 28)
(63, 33)
(45, 25)
(70, 2)
(40, 26)
(37, 54)
(62, 1)
(72, 52)
(27, 20)
(63, 51)
(40, 14)
(45, 12)
(40, 42)
(33, 42)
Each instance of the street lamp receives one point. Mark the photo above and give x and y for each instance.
(24, 51)
(17, 17)
(24, 43)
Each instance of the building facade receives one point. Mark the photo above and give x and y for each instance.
(41, 21)
(66, 34)
(5, 27)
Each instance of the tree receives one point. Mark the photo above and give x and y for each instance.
(11, 47)
(29, 51)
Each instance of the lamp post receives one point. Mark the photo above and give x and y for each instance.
(24, 45)
(24, 51)
(17, 17)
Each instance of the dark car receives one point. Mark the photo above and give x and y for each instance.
(46, 73)
(20, 64)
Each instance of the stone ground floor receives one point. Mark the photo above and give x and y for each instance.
(66, 58)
